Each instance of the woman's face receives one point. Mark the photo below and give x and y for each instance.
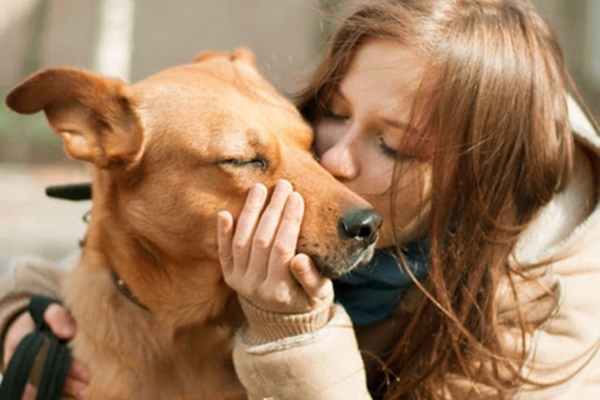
(365, 130)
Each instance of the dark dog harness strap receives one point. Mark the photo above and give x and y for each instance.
(73, 191)
(39, 344)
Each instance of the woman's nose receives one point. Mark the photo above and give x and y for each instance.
(340, 161)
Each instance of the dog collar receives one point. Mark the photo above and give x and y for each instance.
(125, 291)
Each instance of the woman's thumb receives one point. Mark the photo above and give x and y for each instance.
(316, 286)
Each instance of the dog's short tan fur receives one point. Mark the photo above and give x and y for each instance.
(169, 152)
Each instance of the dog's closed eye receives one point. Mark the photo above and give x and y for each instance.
(258, 162)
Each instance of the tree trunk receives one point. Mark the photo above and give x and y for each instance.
(115, 39)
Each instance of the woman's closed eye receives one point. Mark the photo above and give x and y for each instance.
(391, 152)
(332, 115)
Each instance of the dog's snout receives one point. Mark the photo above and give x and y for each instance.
(361, 225)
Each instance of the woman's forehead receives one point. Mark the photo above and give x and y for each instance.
(385, 66)
(382, 79)
(385, 56)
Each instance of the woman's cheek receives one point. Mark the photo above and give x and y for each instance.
(412, 208)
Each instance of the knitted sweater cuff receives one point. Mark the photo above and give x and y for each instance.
(264, 327)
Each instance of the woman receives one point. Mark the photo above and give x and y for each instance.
(451, 117)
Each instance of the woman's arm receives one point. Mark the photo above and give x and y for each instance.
(324, 364)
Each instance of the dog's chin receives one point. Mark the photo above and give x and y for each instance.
(355, 260)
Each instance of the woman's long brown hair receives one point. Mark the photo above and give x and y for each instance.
(494, 99)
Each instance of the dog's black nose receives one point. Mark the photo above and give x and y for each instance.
(361, 225)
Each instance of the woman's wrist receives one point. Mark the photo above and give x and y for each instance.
(264, 326)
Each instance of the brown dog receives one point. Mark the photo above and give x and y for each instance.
(155, 319)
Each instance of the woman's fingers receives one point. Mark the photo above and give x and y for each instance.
(21, 326)
(318, 288)
(79, 372)
(74, 388)
(63, 325)
(266, 232)
(77, 381)
(258, 255)
(29, 393)
(60, 321)
(246, 226)
(224, 238)
(286, 240)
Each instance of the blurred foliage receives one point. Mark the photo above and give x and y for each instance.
(35, 126)
(28, 139)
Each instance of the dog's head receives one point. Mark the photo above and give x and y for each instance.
(173, 150)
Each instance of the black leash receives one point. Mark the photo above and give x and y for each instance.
(56, 364)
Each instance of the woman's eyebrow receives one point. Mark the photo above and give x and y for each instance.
(401, 125)
(398, 124)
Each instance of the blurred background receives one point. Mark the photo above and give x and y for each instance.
(131, 39)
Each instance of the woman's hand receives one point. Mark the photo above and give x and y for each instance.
(259, 260)
(63, 326)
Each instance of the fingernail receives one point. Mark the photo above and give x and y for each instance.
(256, 190)
(294, 200)
(301, 265)
(223, 221)
(282, 186)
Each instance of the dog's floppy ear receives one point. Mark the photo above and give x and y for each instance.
(92, 114)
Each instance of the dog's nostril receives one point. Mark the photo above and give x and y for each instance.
(361, 225)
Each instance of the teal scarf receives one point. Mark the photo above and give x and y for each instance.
(370, 293)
